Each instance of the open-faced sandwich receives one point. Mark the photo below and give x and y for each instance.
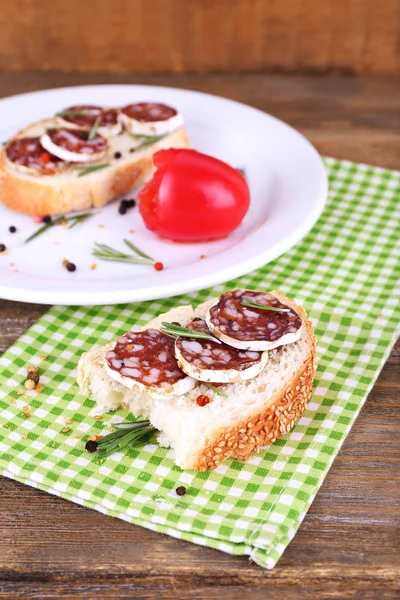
(216, 381)
(85, 156)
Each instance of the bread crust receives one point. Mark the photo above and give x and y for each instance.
(58, 194)
(244, 438)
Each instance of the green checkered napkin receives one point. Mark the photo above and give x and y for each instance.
(345, 273)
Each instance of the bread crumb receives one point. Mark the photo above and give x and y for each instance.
(24, 436)
(202, 256)
(12, 264)
(98, 417)
(101, 226)
(26, 408)
(76, 436)
(28, 415)
(68, 420)
(65, 430)
(131, 231)
(13, 401)
(43, 357)
(38, 389)
(4, 252)
(93, 266)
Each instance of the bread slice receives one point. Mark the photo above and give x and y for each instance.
(254, 413)
(65, 192)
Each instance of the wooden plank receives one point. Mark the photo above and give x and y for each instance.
(200, 36)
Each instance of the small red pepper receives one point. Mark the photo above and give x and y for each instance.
(202, 400)
(45, 157)
(158, 266)
(217, 384)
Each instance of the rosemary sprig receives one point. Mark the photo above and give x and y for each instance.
(73, 220)
(93, 131)
(217, 391)
(105, 252)
(147, 140)
(92, 168)
(76, 113)
(251, 304)
(127, 434)
(179, 331)
(137, 250)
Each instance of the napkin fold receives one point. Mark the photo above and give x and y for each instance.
(345, 272)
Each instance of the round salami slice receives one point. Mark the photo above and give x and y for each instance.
(84, 116)
(149, 118)
(74, 145)
(29, 155)
(146, 359)
(249, 327)
(206, 360)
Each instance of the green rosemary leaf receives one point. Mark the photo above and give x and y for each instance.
(217, 391)
(248, 302)
(92, 168)
(76, 113)
(147, 140)
(93, 131)
(105, 252)
(178, 331)
(75, 219)
(132, 424)
(137, 250)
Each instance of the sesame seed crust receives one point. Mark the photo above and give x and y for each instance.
(244, 438)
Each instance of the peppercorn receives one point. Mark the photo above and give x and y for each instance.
(69, 265)
(12, 229)
(91, 446)
(158, 266)
(181, 490)
(132, 150)
(34, 375)
(129, 202)
(47, 219)
(202, 400)
(122, 209)
(2, 248)
(117, 154)
(30, 384)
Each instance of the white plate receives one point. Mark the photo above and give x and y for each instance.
(288, 186)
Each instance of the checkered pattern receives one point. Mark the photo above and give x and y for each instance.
(345, 272)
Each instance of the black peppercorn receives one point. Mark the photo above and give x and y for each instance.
(181, 490)
(122, 209)
(34, 375)
(91, 446)
(71, 267)
(47, 219)
(117, 154)
(12, 229)
(2, 247)
(132, 150)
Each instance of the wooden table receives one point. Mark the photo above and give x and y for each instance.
(348, 545)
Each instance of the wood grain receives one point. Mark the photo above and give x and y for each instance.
(199, 36)
(348, 545)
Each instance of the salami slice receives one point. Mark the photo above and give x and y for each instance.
(147, 358)
(29, 153)
(253, 328)
(84, 116)
(149, 118)
(149, 111)
(74, 144)
(206, 360)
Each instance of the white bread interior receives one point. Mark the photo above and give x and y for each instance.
(254, 413)
(62, 193)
